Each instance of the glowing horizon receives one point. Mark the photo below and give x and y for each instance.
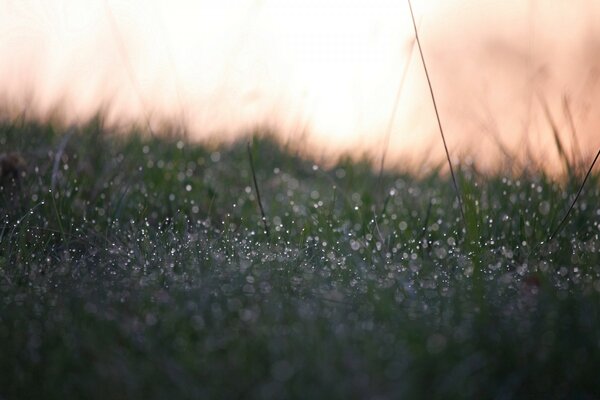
(332, 68)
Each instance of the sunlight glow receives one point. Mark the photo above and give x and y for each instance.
(329, 67)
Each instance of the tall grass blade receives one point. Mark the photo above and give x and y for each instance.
(437, 115)
(258, 199)
(576, 155)
(562, 222)
(388, 132)
(560, 148)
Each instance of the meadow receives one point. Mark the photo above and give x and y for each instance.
(134, 266)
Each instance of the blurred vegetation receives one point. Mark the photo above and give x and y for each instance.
(138, 267)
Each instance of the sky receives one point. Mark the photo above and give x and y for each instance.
(330, 76)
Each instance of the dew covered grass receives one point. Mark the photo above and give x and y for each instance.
(138, 267)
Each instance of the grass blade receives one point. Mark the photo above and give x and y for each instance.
(437, 115)
(262, 210)
(562, 222)
(390, 126)
(576, 157)
(560, 148)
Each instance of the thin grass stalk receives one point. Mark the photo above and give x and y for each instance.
(562, 222)
(262, 210)
(576, 155)
(560, 148)
(388, 132)
(437, 115)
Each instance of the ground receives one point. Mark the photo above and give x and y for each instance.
(134, 266)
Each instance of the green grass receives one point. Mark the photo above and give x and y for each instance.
(146, 273)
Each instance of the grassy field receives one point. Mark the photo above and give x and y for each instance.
(137, 267)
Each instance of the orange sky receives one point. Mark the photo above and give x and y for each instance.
(329, 67)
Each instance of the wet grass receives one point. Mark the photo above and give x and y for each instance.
(136, 267)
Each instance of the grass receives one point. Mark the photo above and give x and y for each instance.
(138, 267)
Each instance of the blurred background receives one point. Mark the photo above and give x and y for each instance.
(329, 76)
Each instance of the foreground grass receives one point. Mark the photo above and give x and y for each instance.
(133, 267)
